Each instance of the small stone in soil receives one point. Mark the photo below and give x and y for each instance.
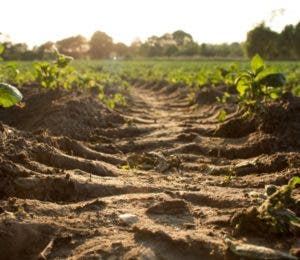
(128, 219)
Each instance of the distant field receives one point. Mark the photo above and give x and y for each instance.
(186, 72)
(190, 73)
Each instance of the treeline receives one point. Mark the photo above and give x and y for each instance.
(101, 46)
(262, 40)
(272, 45)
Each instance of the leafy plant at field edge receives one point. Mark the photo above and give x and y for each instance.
(111, 100)
(53, 75)
(258, 85)
(8, 72)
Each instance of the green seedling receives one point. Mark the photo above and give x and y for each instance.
(258, 85)
(222, 115)
(276, 215)
(54, 74)
(111, 100)
(62, 61)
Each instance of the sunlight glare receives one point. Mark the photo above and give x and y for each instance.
(214, 21)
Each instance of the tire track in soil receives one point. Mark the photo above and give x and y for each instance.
(62, 197)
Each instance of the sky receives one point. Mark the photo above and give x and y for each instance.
(209, 21)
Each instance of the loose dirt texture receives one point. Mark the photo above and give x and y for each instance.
(70, 167)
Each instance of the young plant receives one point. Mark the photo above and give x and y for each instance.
(111, 100)
(53, 75)
(11, 73)
(276, 215)
(258, 85)
(62, 61)
(222, 115)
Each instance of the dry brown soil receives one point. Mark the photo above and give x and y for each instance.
(69, 167)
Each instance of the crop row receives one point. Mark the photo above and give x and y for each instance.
(113, 78)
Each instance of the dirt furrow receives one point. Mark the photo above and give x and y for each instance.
(158, 179)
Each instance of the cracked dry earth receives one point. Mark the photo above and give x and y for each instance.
(159, 179)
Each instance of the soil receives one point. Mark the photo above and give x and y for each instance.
(69, 167)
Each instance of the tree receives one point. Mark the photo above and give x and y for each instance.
(263, 41)
(222, 50)
(297, 40)
(206, 50)
(44, 51)
(182, 38)
(286, 42)
(152, 47)
(135, 47)
(101, 45)
(189, 49)
(236, 50)
(177, 43)
(171, 50)
(121, 49)
(14, 51)
(75, 46)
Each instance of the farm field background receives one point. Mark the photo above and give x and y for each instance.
(195, 73)
(148, 159)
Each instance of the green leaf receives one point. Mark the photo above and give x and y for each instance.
(110, 103)
(222, 115)
(243, 76)
(293, 182)
(126, 167)
(274, 95)
(226, 95)
(266, 72)
(257, 64)
(273, 80)
(9, 95)
(1, 48)
(241, 88)
(62, 60)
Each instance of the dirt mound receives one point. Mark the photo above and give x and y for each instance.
(237, 127)
(70, 167)
(279, 119)
(61, 112)
(21, 240)
(207, 95)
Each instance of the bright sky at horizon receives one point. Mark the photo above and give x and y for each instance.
(211, 21)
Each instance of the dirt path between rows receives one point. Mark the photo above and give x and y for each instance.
(152, 181)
